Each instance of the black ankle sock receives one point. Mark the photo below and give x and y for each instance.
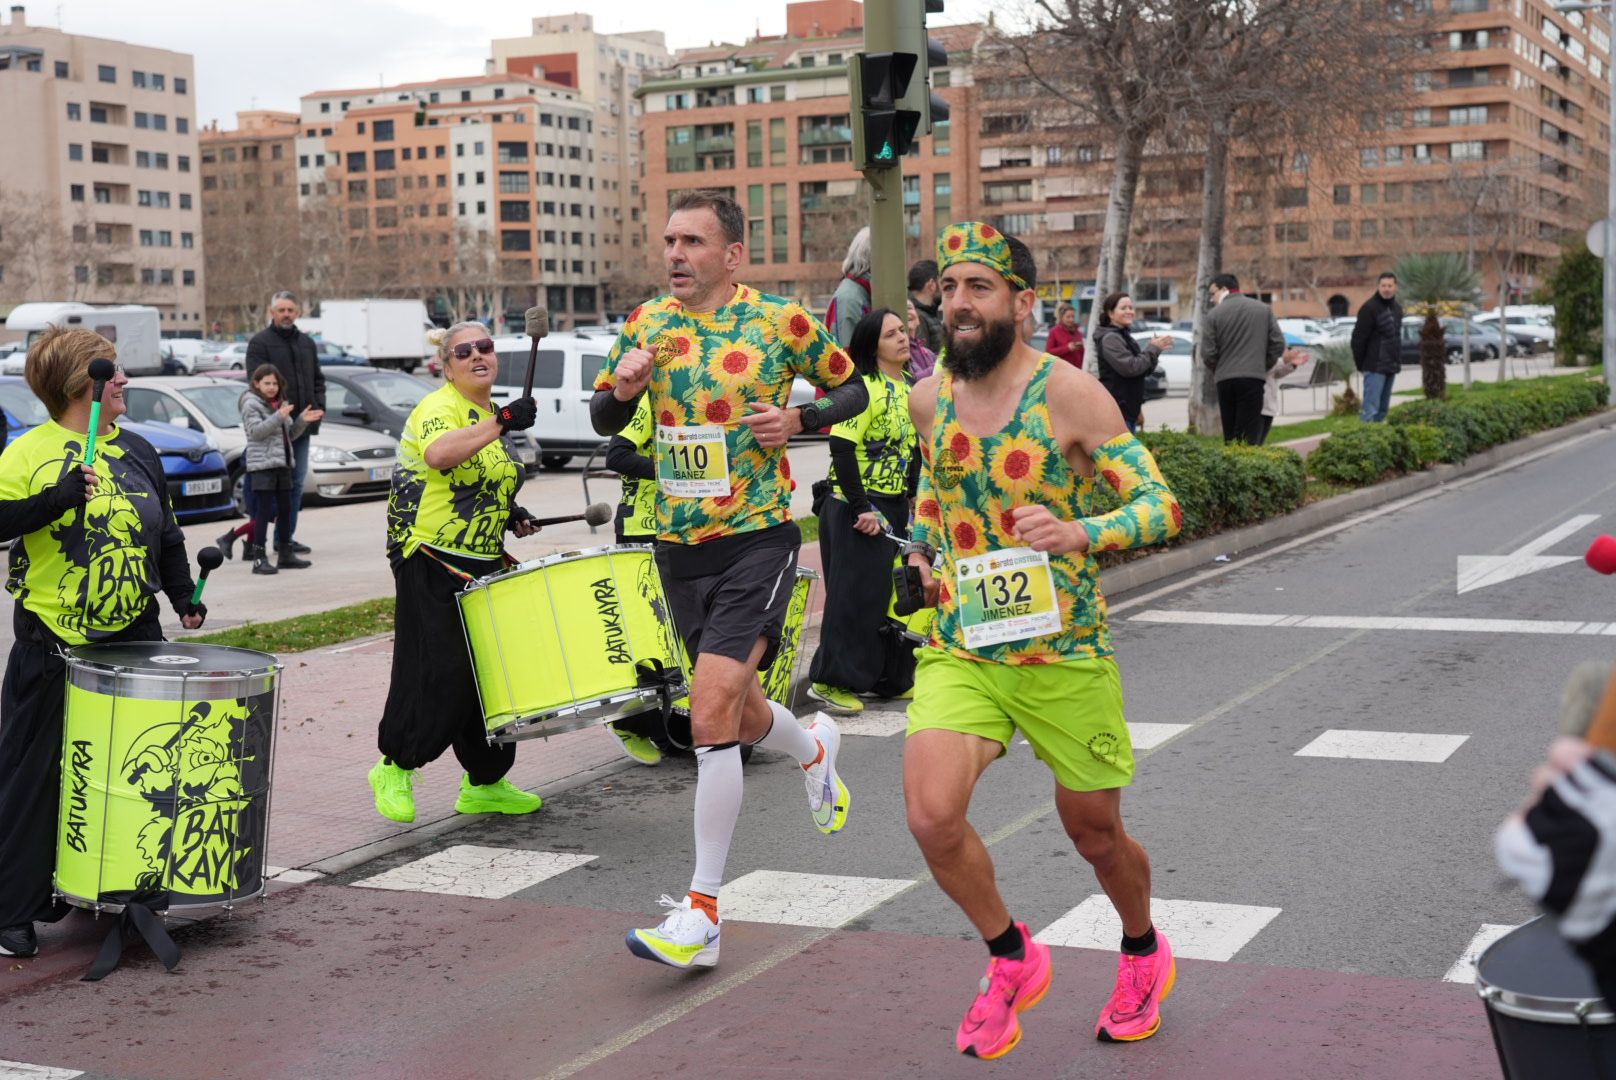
(1140, 946)
(1010, 944)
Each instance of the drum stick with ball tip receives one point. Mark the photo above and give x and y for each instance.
(101, 373)
(536, 323)
(594, 514)
(209, 559)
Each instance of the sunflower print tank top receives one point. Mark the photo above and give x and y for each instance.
(974, 483)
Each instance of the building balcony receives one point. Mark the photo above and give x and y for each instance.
(825, 136)
(715, 144)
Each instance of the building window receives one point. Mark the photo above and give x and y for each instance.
(165, 277)
(1369, 157)
(1470, 150)
(61, 69)
(142, 120)
(385, 160)
(81, 275)
(179, 85)
(98, 114)
(185, 200)
(1291, 232)
(75, 192)
(75, 151)
(381, 131)
(183, 126)
(188, 277)
(516, 239)
(157, 81)
(73, 112)
(142, 159)
(515, 211)
(185, 163)
(147, 238)
(1291, 198)
(106, 73)
(513, 183)
(1341, 230)
(325, 106)
(356, 161)
(159, 122)
(1343, 194)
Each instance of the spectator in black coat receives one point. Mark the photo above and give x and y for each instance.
(1377, 347)
(302, 385)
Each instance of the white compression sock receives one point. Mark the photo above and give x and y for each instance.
(718, 807)
(788, 736)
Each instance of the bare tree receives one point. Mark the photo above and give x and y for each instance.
(249, 252)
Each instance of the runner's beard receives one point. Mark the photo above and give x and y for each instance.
(974, 361)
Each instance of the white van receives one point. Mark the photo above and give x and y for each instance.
(563, 383)
(133, 328)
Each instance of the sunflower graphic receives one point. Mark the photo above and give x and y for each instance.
(968, 532)
(671, 413)
(1111, 538)
(734, 363)
(1016, 465)
(710, 407)
(961, 446)
(835, 367)
(794, 328)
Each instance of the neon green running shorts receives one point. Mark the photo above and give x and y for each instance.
(1070, 712)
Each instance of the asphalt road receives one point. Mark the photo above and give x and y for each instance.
(1318, 901)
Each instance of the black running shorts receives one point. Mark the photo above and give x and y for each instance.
(724, 606)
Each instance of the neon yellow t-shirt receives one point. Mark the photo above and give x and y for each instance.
(640, 495)
(462, 510)
(92, 571)
(883, 437)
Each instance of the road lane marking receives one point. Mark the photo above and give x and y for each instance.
(1383, 746)
(1464, 968)
(1197, 929)
(820, 900)
(1480, 571)
(877, 723)
(1149, 736)
(1372, 622)
(21, 1070)
(489, 873)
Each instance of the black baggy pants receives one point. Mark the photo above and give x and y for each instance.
(1240, 402)
(32, 703)
(432, 701)
(852, 653)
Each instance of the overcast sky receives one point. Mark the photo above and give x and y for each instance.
(266, 56)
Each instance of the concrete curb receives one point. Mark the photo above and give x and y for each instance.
(1174, 561)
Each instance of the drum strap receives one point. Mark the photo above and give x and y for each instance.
(504, 558)
(669, 683)
(138, 921)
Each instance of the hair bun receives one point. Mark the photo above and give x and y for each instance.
(436, 337)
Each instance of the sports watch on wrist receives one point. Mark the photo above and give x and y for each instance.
(810, 417)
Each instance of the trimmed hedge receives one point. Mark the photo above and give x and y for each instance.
(1220, 487)
(1420, 433)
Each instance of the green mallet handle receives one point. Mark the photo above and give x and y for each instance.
(95, 426)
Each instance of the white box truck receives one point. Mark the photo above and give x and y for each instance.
(134, 328)
(388, 333)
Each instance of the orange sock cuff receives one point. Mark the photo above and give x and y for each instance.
(817, 757)
(707, 905)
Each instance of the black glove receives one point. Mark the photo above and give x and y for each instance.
(194, 609)
(518, 415)
(518, 515)
(70, 491)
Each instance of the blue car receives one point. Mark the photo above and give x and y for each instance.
(198, 482)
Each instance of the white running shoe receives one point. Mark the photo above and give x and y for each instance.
(687, 938)
(827, 795)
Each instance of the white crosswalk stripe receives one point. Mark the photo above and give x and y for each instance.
(873, 722)
(21, 1070)
(824, 900)
(1383, 746)
(1464, 968)
(470, 870)
(1197, 929)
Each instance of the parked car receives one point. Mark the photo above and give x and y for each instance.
(1315, 334)
(1176, 360)
(1534, 332)
(230, 355)
(1452, 347)
(381, 400)
(198, 480)
(344, 462)
(336, 354)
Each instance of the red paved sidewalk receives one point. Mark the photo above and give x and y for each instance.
(337, 982)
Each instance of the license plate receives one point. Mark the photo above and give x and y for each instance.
(203, 487)
(382, 472)
(527, 455)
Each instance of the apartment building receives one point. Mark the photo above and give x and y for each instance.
(98, 185)
(253, 240)
(606, 70)
(1499, 151)
(479, 194)
(770, 122)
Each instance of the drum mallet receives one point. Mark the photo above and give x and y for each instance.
(536, 322)
(594, 514)
(101, 373)
(209, 559)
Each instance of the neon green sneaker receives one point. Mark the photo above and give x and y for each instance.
(395, 797)
(685, 939)
(836, 699)
(500, 797)
(638, 747)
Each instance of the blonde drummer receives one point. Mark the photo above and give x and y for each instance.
(451, 504)
(94, 548)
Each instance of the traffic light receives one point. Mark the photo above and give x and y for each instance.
(931, 54)
(885, 126)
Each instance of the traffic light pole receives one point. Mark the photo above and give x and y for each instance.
(888, 274)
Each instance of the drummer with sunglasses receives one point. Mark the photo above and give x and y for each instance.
(452, 501)
(93, 548)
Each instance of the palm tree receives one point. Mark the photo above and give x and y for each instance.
(1435, 285)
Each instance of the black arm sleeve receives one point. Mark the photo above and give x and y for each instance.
(912, 484)
(19, 517)
(608, 415)
(844, 459)
(625, 459)
(843, 403)
(173, 567)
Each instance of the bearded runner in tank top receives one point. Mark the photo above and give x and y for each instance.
(1012, 441)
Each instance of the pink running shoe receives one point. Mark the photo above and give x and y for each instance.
(990, 1029)
(1143, 983)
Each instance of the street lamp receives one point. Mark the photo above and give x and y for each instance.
(1608, 315)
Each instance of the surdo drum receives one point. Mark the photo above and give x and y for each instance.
(1547, 1018)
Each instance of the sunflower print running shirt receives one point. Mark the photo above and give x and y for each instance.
(969, 486)
(709, 366)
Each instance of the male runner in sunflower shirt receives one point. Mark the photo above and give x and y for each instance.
(719, 359)
(1012, 441)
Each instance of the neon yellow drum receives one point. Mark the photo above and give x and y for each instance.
(571, 640)
(166, 753)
